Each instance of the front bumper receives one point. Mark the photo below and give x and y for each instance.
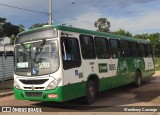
(39, 95)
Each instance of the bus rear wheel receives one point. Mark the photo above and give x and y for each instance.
(138, 79)
(91, 92)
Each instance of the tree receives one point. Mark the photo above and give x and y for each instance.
(103, 25)
(2, 22)
(13, 37)
(21, 28)
(38, 25)
(123, 32)
(154, 38)
(7, 29)
(10, 29)
(142, 36)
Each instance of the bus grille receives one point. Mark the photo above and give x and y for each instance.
(34, 88)
(33, 82)
(33, 94)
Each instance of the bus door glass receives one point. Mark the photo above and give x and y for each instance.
(71, 60)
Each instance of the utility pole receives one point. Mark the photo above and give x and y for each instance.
(50, 12)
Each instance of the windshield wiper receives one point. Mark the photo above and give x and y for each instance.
(39, 50)
(40, 47)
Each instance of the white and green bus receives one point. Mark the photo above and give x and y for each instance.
(59, 63)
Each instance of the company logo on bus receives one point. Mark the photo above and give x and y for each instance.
(103, 68)
(33, 88)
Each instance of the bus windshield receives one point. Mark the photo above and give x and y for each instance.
(34, 59)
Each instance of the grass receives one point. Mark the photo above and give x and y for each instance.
(156, 100)
(157, 63)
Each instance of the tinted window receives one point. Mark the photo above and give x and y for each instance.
(149, 50)
(134, 49)
(141, 50)
(125, 52)
(102, 49)
(114, 48)
(70, 52)
(87, 47)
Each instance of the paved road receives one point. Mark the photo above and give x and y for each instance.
(122, 96)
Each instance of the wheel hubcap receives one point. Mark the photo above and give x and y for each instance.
(91, 91)
(139, 81)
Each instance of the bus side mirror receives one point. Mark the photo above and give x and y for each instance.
(5, 55)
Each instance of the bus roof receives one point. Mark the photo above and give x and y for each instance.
(84, 31)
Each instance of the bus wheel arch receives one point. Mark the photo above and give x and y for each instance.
(138, 78)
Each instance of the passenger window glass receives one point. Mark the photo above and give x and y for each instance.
(149, 50)
(102, 49)
(87, 47)
(145, 50)
(114, 48)
(141, 50)
(125, 52)
(134, 49)
(70, 52)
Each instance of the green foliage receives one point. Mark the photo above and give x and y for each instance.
(9, 30)
(21, 28)
(38, 25)
(157, 63)
(103, 25)
(123, 32)
(13, 37)
(142, 36)
(2, 20)
(154, 38)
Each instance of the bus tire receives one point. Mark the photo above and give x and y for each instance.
(138, 79)
(91, 93)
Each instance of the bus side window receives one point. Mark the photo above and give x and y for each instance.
(70, 52)
(125, 52)
(114, 46)
(146, 50)
(149, 50)
(134, 49)
(87, 47)
(102, 48)
(141, 50)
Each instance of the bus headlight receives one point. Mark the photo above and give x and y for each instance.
(16, 85)
(52, 85)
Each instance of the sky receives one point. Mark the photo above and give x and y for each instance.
(135, 16)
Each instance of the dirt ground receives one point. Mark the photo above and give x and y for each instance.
(149, 92)
(146, 95)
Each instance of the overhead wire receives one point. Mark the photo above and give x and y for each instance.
(24, 9)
